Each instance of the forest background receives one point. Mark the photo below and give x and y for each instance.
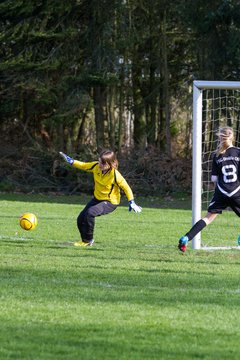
(79, 76)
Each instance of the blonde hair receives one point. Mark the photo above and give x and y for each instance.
(226, 137)
(109, 157)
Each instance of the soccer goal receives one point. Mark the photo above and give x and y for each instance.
(215, 104)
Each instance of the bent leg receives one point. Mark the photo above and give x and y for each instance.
(81, 220)
(86, 219)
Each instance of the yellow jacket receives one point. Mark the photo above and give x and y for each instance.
(106, 186)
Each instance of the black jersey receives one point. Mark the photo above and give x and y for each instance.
(227, 168)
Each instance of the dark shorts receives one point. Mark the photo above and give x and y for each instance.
(220, 202)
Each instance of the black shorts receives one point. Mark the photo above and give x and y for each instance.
(220, 202)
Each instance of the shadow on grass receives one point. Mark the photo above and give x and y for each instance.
(106, 340)
(64, 246)
(175, 201)
(114, 285)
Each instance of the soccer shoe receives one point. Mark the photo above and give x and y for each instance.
(182, 244)
(84, 243)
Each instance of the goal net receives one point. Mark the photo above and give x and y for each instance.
(215, 104)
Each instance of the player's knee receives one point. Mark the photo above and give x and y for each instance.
(206, 220)
(209, 218)
(92, 212)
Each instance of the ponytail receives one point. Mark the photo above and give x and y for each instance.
(225, 135)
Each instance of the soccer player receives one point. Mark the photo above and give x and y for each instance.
(107, 184)
(226, 176)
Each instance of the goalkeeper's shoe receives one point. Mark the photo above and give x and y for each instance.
(182, 244)
(84, 243)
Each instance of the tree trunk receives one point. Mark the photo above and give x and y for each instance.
(138, 108)
(166, 89)
(80, 136)
(111, 117)
(151, 128)
(99, 102)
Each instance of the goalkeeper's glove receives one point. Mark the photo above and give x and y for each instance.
(67, 158)
(133, 206)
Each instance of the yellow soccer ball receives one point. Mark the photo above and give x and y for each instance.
(28, 221)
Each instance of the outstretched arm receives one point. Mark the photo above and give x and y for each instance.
(86, 166)
(67, 158)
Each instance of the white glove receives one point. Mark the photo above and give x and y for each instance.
(67, 158)
(133, 206)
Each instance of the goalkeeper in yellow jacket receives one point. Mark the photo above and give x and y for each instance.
(107, 185)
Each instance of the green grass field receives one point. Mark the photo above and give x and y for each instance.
(131, 296)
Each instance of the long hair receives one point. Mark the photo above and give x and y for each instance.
(226, 138)
(109, 157)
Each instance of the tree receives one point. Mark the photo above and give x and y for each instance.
(215, 38)
(41, 64)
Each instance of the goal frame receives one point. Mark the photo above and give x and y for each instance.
(198, 87)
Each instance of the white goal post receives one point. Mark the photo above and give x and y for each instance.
(197, 135)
